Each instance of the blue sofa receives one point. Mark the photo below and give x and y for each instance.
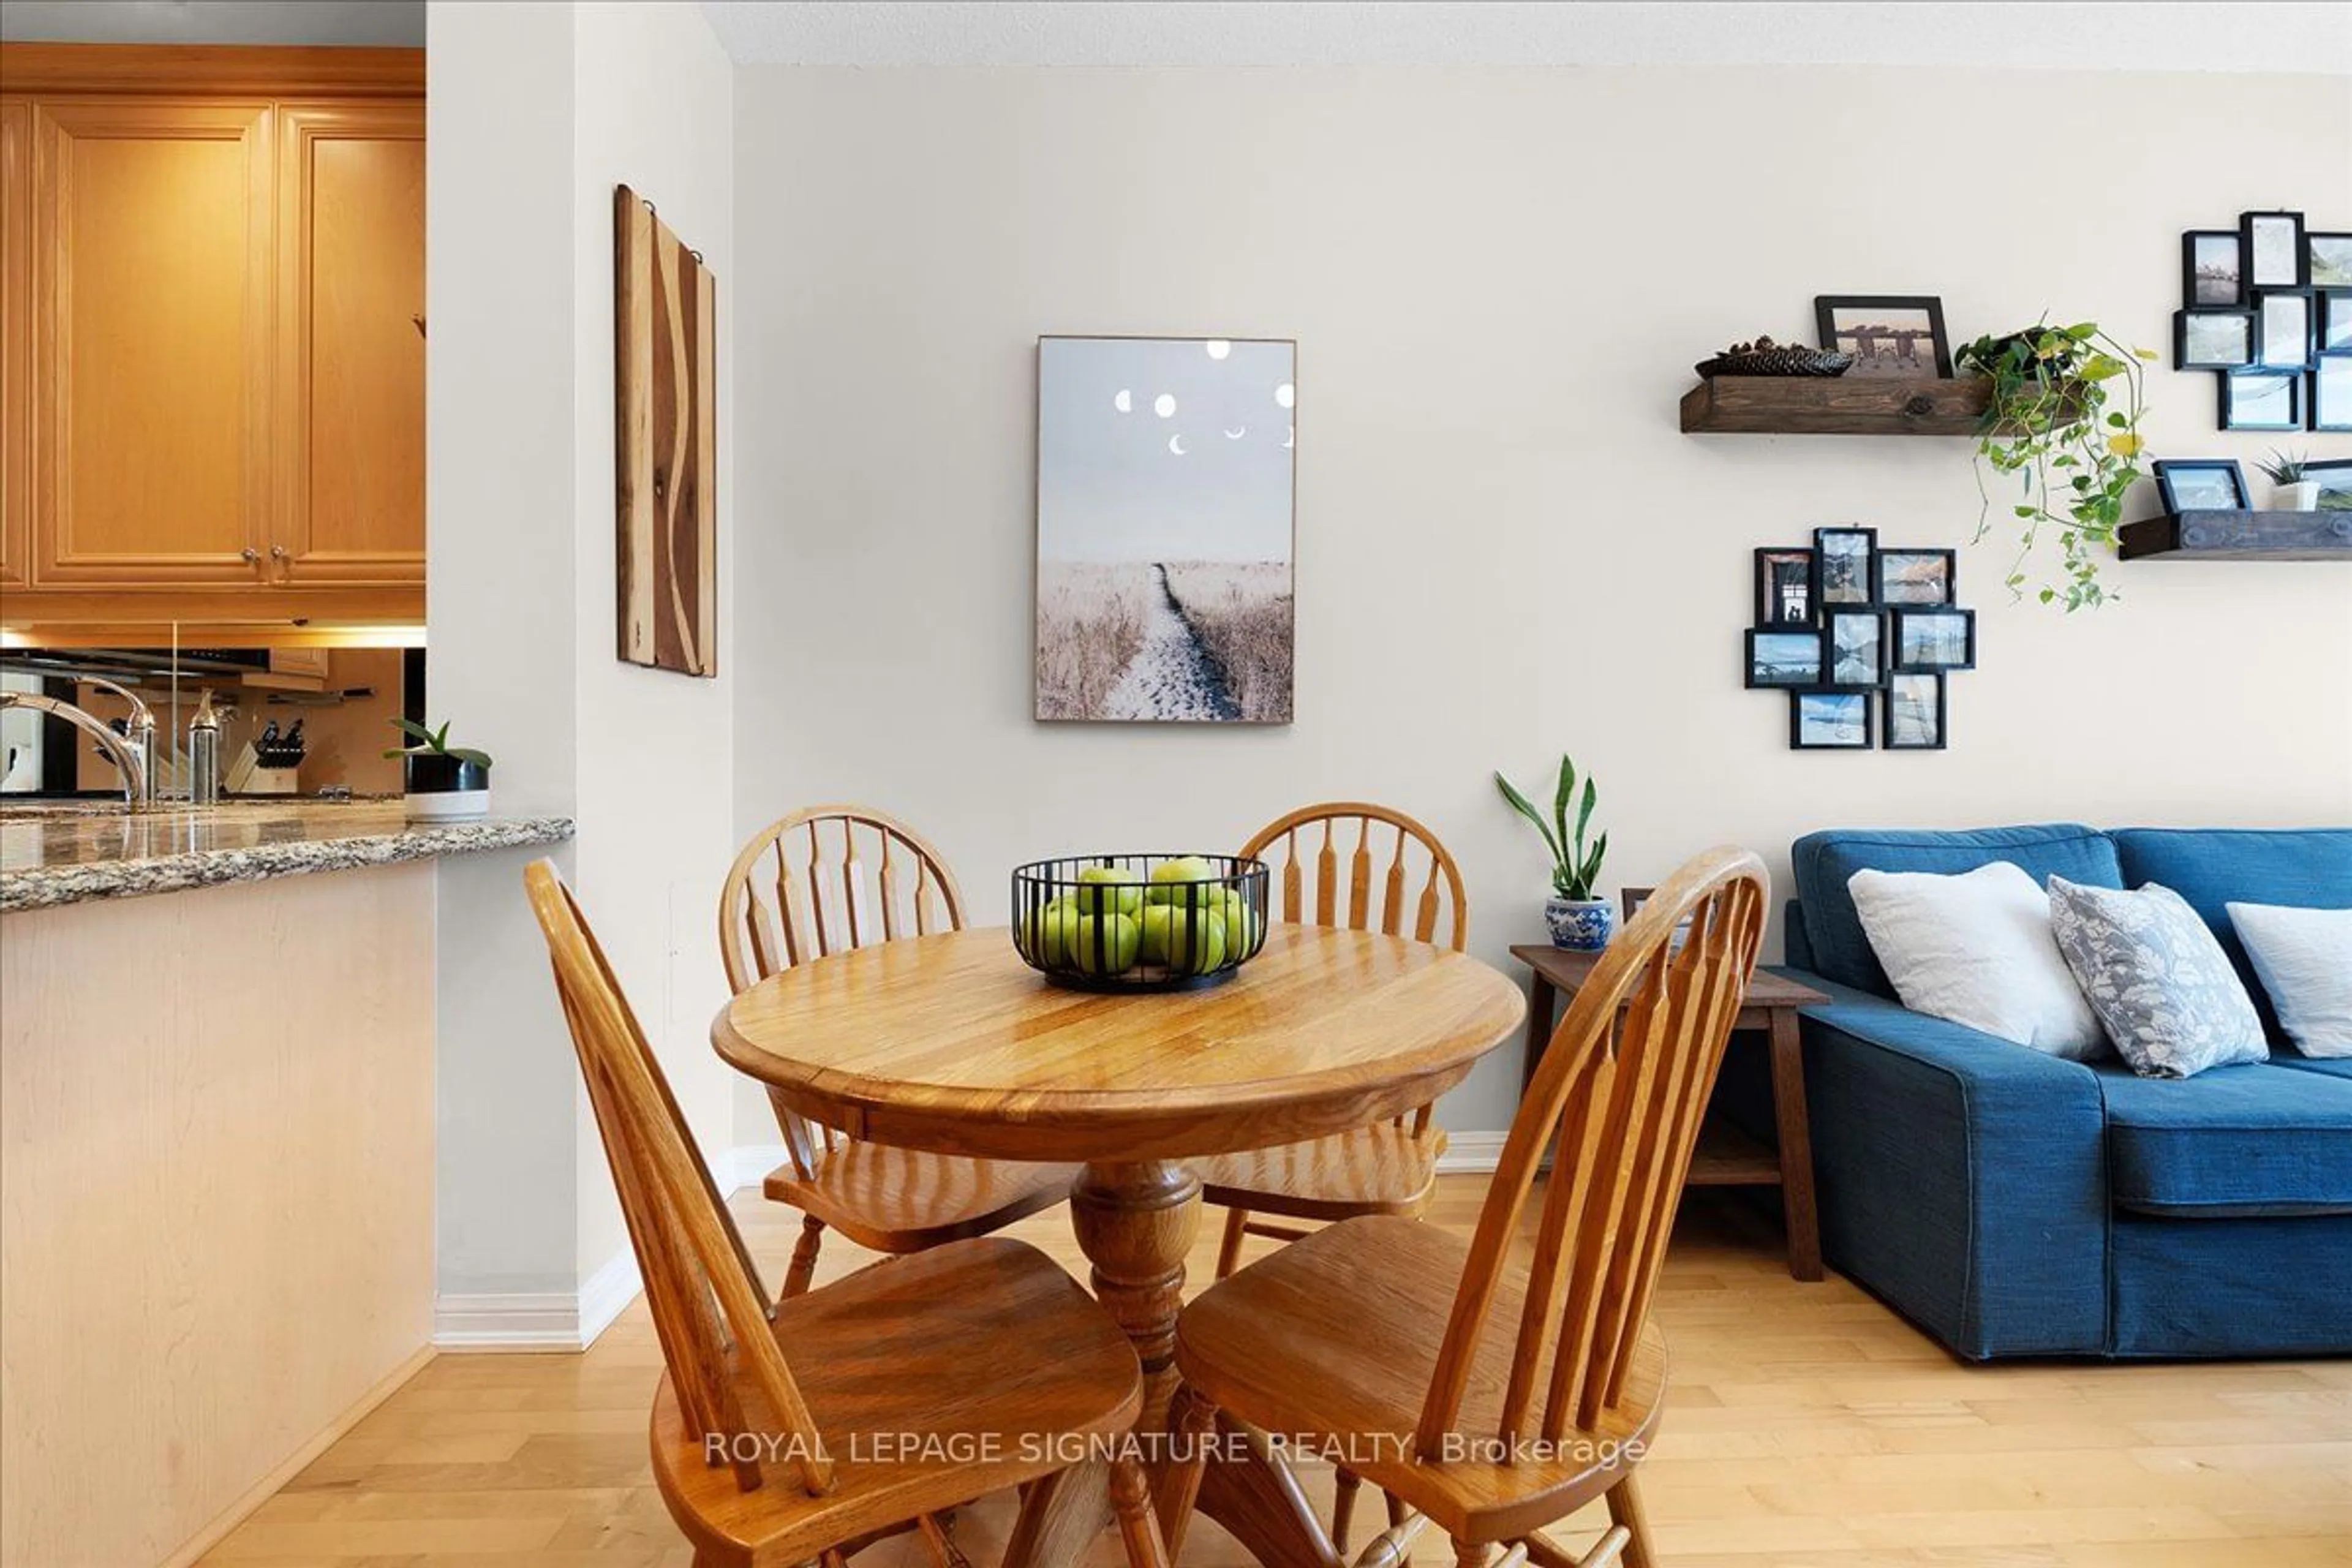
(2015, 1204)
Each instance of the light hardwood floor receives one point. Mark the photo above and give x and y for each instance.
(1807, 1428)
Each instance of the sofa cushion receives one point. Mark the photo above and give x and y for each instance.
(2326, 1067)
(2247, 1140)
(2157, 980)
(2308, 868)
(1822, 862)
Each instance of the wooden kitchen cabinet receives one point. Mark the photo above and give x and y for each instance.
(351, 344)
(16, 343)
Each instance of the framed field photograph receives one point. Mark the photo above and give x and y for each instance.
(1788, 586)
(1783, 659)
(2334, 321)
(1917, 576)
(2212, 339)
(2333, 477)
(2202, 484)
(2262, 400)
(1934, 640)
(2283, 331)
(1854, 644)
(1889, 335)
(1845, 555)
(2331, 393)
(1164, 529)
(1830, 721)
(2275, 257)
(2212, 267)
(1915, 712)
(2329, 260)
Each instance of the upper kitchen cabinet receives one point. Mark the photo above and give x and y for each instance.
(152, 288)
(351, 344)
(16, 342)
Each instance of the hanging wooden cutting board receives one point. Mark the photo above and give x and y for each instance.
(666, 322)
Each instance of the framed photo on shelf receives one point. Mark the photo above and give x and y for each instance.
(2275, 255)
(1845, 555)
(2335, 309)
(1854, 645)
(2328, 263)
(2333, 477)
(1783, 659)
(2212, 339)
(2331, 393)
(2212, 267)
(1916, 712)
(2202, 484)
(1928, 640)
(1917, 576)
(2283, 330)
(2262, 400)
(1830, 721)
(1788, 586)
(1889, 335)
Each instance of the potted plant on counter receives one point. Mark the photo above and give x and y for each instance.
(444, 781)
(2049, 423)
(2291, 489)
(1578, 920)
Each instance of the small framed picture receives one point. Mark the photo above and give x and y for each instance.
(2202, 484)
(1783, 659)
(1788, 586)
(1845, 554)
(2283, 333)
(1915, 712)
(2262, 400)
(2212, 267)
(2331, 393)
(1887, 335)
(2275, 257)
(1935, 639)
(2212, 339)
(2334, 321)
(1854, 644)
(1917, 576)
(1829, 722)
(1630, 899)
(2330, 258)
(2333, 477)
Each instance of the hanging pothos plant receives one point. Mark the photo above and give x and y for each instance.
(2050, 423)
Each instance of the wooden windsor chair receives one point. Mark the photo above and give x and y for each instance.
(1495, 1395)
(891, 1200)
(1391, 1168)
(986, 1346)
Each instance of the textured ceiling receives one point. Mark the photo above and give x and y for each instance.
(365, 23)
(2243, 35)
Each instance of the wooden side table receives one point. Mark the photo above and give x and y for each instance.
(1726, 1157)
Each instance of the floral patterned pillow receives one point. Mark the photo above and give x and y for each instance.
(2156, 978)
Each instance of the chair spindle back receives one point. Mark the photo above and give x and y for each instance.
(1625, 1100)
(709, 1306)
(821, 882)
(1417, 877)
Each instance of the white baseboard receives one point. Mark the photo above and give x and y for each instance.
(1466, 1154)
(540, 1320)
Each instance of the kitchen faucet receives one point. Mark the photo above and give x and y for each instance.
(134, 755)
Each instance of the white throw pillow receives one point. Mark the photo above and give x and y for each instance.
(1976, 949)
(2304, 959)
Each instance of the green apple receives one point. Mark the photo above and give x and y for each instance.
(1170, 932)
(1104, 944)
(1125, 893)
(1241, 920)
(1169, 877)
(1052, 930)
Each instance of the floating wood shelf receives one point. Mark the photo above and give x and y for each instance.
(1838, 406)
(2240, 536)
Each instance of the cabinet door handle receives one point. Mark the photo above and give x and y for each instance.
(278, 552)
(250, 554)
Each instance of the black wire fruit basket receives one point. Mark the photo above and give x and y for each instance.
(1139, 922)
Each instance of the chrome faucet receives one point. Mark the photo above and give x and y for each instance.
(133, 755)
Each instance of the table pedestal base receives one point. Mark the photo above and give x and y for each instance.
(1135, 1221)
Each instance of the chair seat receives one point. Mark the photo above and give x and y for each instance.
(1338, 1335)
(904, 1200)
(1384, 1169)
(986, 1346)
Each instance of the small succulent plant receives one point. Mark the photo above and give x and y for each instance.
(2282, 468)
(434, 743)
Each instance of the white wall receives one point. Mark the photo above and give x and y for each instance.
(536, 111)
(1498, 280)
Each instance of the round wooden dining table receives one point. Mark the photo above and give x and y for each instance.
(950, 1043)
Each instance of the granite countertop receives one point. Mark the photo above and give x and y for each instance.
(65, 853)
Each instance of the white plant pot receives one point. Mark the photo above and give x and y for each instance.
(450, 806)
(2302, 496)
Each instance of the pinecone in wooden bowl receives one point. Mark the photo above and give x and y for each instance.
(1765, 357)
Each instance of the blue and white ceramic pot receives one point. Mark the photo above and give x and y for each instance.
(1581, 925)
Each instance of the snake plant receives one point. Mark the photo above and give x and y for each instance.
(1575, 869)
